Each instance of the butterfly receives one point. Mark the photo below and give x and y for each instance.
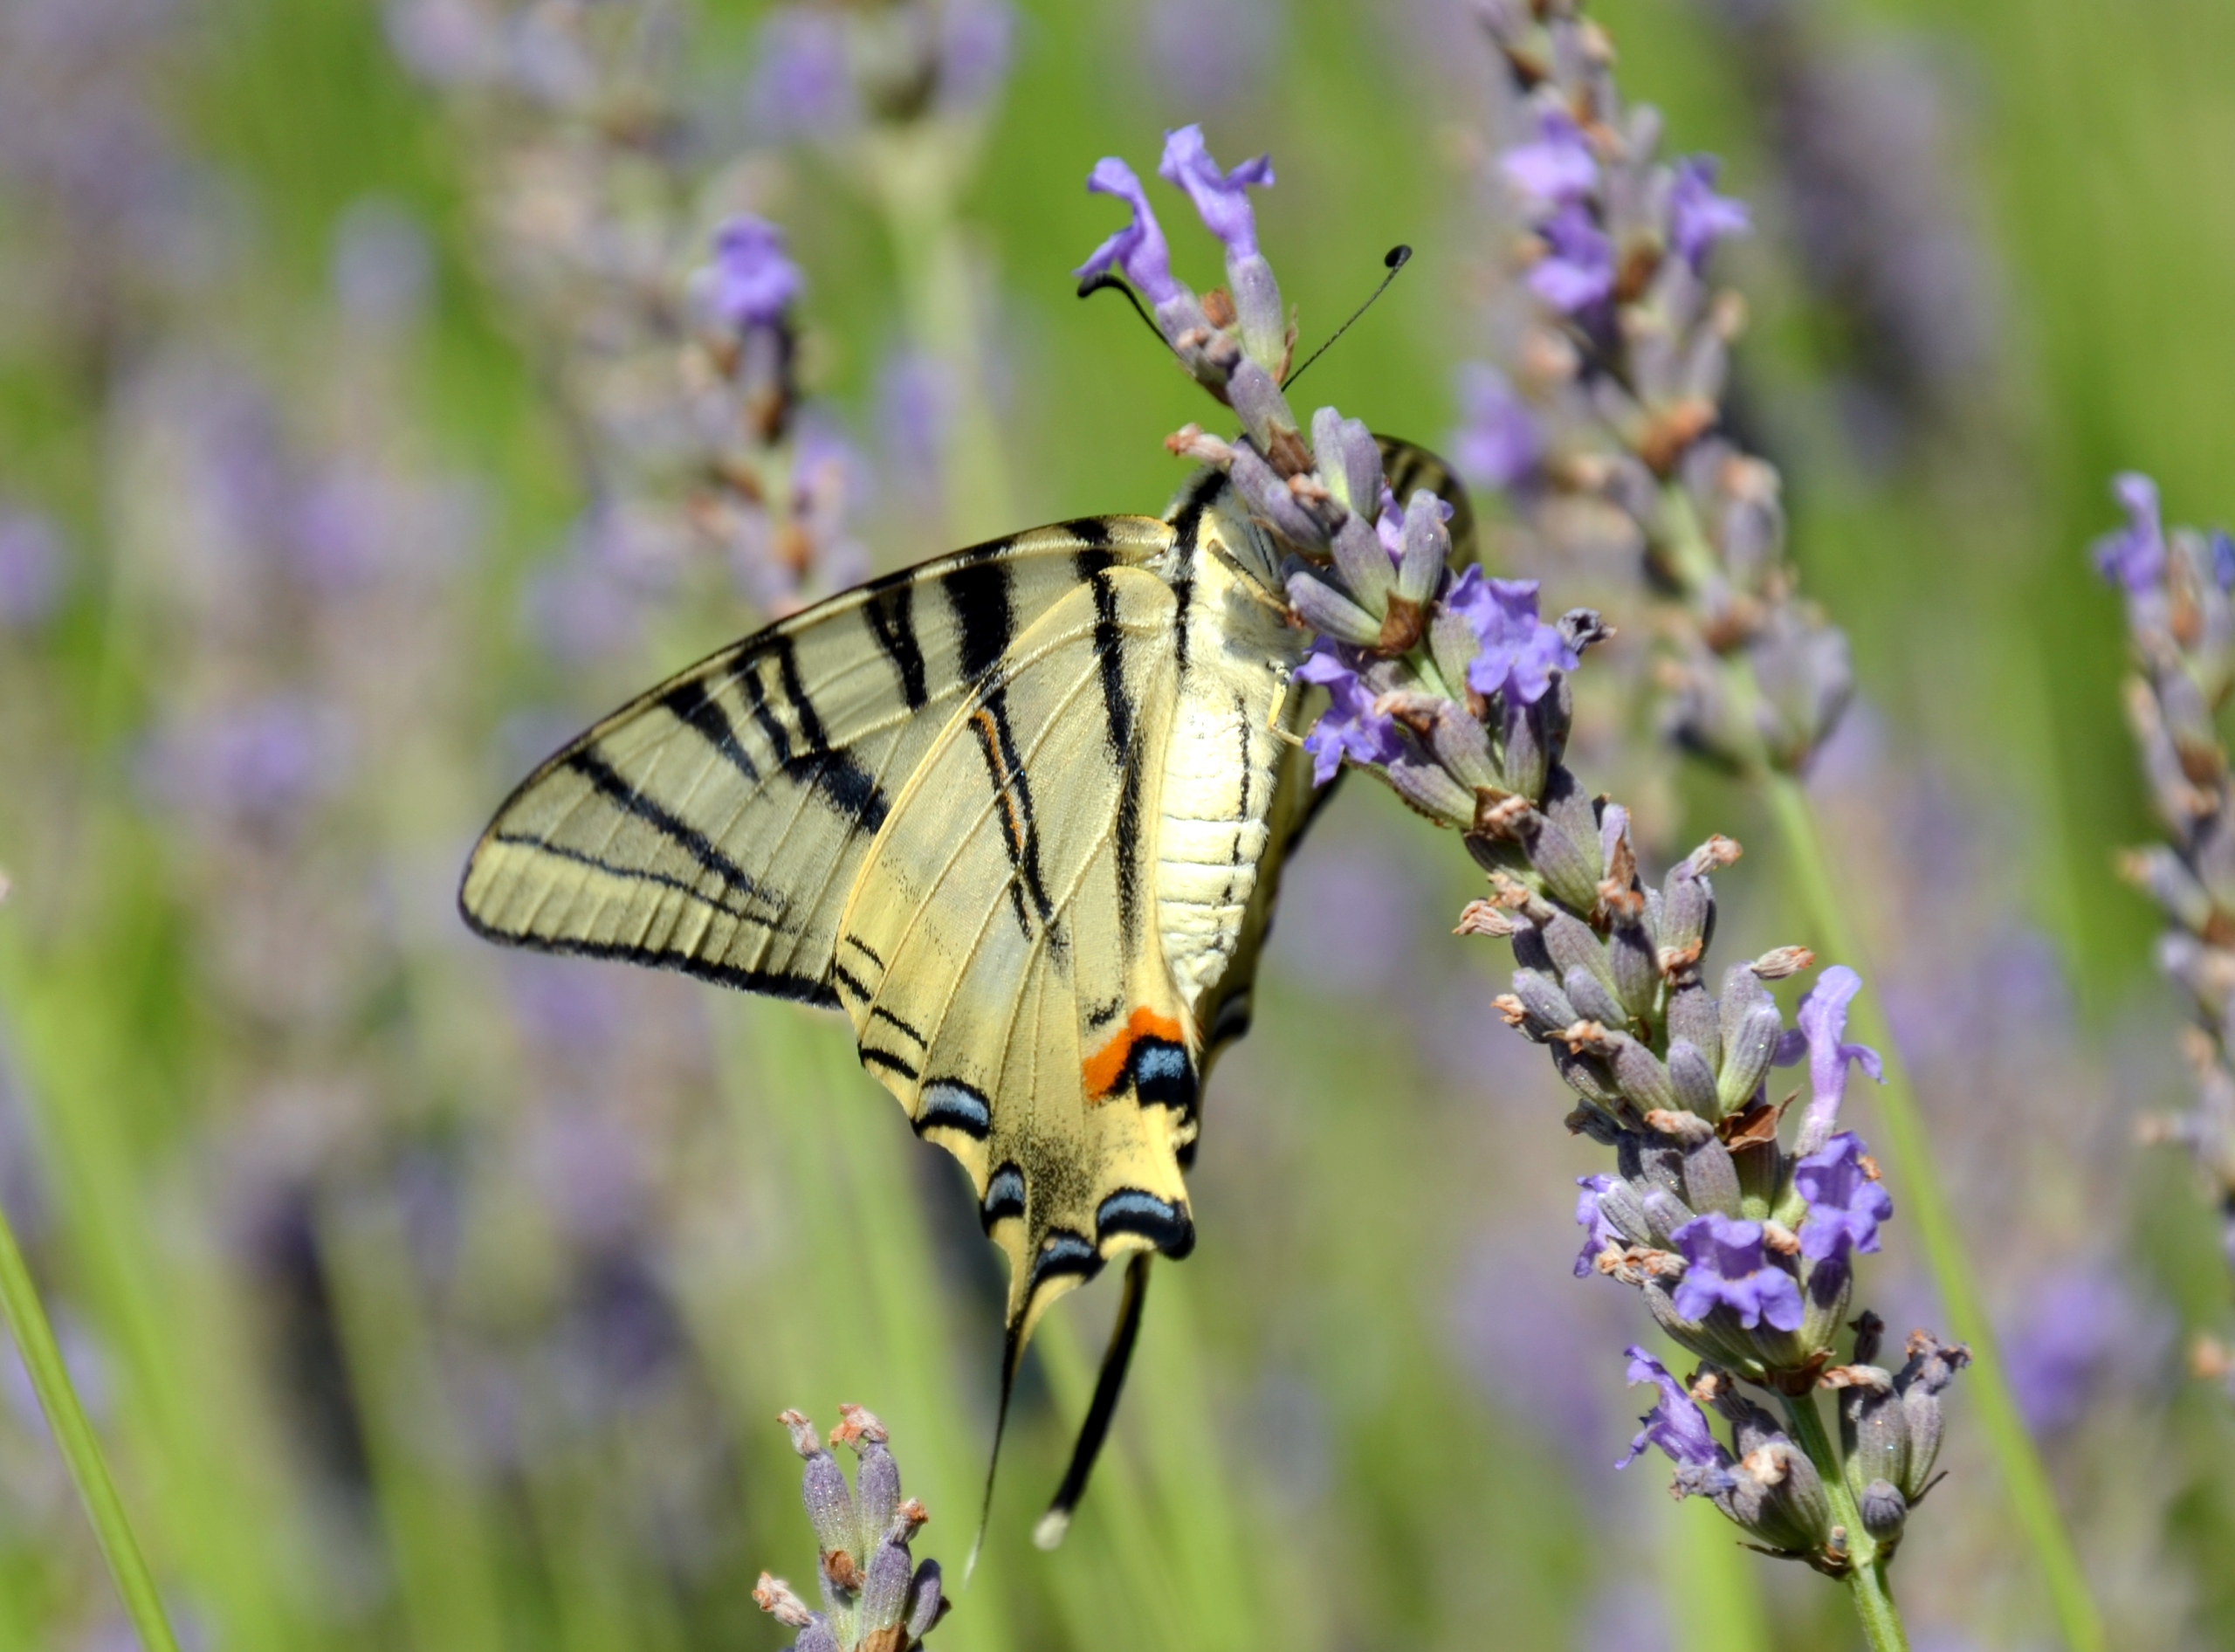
(1021, 812)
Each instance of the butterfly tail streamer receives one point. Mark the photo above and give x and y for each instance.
(1012, 1357)
(1095, 1429)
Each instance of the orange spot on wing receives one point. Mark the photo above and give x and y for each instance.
(1106, 1066)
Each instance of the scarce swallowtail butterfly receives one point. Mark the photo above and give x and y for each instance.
(1020, 812)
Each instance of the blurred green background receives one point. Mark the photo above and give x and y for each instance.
(426, 1297)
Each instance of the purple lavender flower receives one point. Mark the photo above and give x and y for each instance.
(1823, 1020)
(1137, 251)
(1598, 1233)
(2135, 555)
(1220, 199)
(751, 282)
(1846, 1204)
(1729, 1267)
(30, 569)
(975, 43)
(1698, 218)
(1557, 168)
(1519, 651)
(1497, 443)
(1675, 1424)
(1578, 268)
(1350, 726)
(802, 81)
(1207, 53)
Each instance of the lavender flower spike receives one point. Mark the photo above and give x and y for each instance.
(876, 1598)
(2181, 624)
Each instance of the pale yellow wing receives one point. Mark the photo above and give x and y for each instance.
(999, 955)
(715, 824)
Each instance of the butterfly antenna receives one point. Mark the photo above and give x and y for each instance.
(1012, 1357)
(1106, 282)
(1054, 1523)
(1396, 258)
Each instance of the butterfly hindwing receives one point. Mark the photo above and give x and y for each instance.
(716, 824)
(998, 957)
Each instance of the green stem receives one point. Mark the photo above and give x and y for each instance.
(2026, 1480)
(81, 1451)
(1865, 1578)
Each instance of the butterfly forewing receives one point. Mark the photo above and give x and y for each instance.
(992, 956)
(717, 823)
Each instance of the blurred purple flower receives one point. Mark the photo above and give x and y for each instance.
(2134, 556)
(263, 761)
(1578, 268)
(2081, 1328)
(1845, 1203)
(1350, 726)
(1728, 1267)
(750, 282)
(1675, 1424)
(1497, 443)
(1698, 218)
(1221, 199)
(1555, 169)
(1519, 652)
(1137, 251)
(31, 568)
(803, 82)
(1209, 54)
(976, 39)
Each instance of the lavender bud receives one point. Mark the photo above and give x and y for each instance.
(877, 1477)
(1626, 1213)
(1257, 401)
(1630, 954)
(1587, 1077)
(1426, 547)
(1694, 1080)
(1573, 946)
(1665, 1213)
(1364, 565)
(1268, 497)
(927, 1605)
(1710, 1177)
(1461, 745)
(818, 1636)
(1529, 755)
(1638, 1072)
(1350, 460)
(1748, 1053)
(1453, 644)
(1693, 1018)
(1326, 611)
(1590, 996)
(885, 1595)
(1550, 1009)
(1258, 310)
(1428, 788)
(1885, 1510)
(1570, 871)
(1932, 1366)
(1873, 1432)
